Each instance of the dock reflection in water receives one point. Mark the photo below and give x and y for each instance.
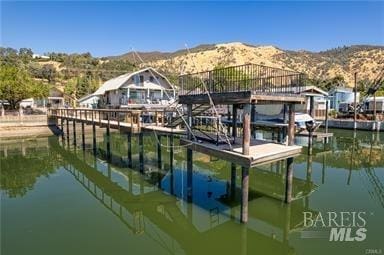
(153, 204)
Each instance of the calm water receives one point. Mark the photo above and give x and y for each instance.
(58, 199)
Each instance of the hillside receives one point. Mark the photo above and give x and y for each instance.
(343, 61)
(81, 74)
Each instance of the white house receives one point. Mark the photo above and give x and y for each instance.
(341, 97)
(143, 87)
(370, 104)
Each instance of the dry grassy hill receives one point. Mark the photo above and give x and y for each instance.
(343, 61)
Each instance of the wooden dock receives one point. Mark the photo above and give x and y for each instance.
(127, 121)
(260, 152)
(242, 87)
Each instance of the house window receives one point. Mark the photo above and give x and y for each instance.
(141, 79)
(136, 79)
(151, 79)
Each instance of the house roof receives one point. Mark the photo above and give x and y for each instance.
(340, 89)
(119, 81)
(86, 97)
(377, 99)
(310, 90)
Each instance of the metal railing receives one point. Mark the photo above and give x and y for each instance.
(250, 77)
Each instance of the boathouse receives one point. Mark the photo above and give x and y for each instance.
(136, 89)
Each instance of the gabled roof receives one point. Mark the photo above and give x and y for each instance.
(86, 97)
(341, 89)
(313, 90)
(119, 81)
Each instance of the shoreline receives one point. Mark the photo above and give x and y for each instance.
(28, 132)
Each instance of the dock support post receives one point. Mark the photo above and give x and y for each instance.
(291, 124)
(234, 122)
(129, 148)
(189, 114)
(74, 132)
(67, 130)
(130, 181)
(82, 135)
(171, 151)
(189, 175)
(233, 180)
(171, 184)
(108, 139)
(141, 153)
(310, 132)
(288, 181)
(326, 116)
(244, 195)
(159, 152)
(94, 137)
(246, 128)
(253, 119)
(62, 129)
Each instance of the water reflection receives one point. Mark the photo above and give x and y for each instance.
(170, 220)
(22, 163)
(153, 203)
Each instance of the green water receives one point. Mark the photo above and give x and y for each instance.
(58, 199)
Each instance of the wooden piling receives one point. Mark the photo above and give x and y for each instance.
(171, 151)
(189, 119)
(244, 194)
(82, 135)
(94, 135)
(246, 128)
(253, 119)
(67, 121)
(234, 122)
(129, 149)
(326, 115)
(108, 138)
(74, 132)
(62, 129)
(171, 184)
(159, 152)
(233, 181)
(291, 124)
(189, 175)
(288, 181)
(141, 152)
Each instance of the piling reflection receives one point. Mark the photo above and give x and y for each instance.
(195, 217)
(194, 212)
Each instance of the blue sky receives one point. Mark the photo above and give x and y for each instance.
(112, 28)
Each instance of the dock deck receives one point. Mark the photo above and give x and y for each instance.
(260, 152)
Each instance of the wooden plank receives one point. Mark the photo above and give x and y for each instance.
(260, 152)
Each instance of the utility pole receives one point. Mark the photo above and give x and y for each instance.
(355, 104)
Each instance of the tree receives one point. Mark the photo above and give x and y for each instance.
(48, 72)
(9, 56)
(16, 85)
(25, 54)
(81, 86)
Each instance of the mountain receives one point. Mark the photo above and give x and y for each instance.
(343, 61)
